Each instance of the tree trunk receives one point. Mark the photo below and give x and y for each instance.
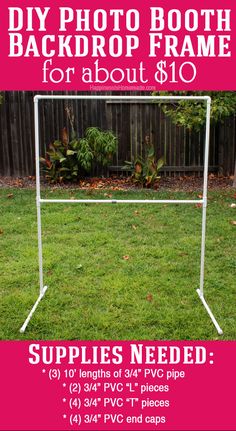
(234, 182)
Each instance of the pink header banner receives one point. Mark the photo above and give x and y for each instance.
(144, 385)
(99, 45)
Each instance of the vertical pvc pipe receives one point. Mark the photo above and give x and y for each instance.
(40, 248)
(206, 157)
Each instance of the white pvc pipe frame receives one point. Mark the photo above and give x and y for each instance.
(202, 201)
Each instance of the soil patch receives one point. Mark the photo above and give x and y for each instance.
(185, 183)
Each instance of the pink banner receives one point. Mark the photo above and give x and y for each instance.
(97, 46)
(118, 385)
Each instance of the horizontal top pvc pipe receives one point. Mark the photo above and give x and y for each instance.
(107, 97)
(122, 201)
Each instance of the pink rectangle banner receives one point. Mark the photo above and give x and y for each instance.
(98, 45)
(145, 385)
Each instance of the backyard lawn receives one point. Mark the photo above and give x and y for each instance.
(117, 271)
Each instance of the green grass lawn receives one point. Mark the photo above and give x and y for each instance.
(94, 292)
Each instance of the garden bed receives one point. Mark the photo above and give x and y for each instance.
(184, 183)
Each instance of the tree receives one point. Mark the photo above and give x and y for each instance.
(193, 114)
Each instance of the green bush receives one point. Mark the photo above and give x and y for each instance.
(192, 114)
(145, 171)
(68, 160)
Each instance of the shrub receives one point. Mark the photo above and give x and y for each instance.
(192, 114)
(68, 160)
(145, 171)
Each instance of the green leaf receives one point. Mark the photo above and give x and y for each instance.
(64, 170)
(160, 163)
(151, 152)
(70, 152)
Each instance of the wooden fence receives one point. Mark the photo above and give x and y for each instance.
(134, 123)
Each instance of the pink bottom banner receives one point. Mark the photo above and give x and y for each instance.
(140, 385)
